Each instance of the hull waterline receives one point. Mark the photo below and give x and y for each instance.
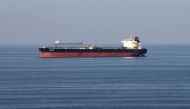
(86, 54)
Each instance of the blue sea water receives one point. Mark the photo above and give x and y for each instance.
(161, 80)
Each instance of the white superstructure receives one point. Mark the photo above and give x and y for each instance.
(132, 43)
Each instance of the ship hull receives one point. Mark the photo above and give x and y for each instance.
(65, 53)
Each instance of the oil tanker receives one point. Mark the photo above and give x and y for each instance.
(131, 48)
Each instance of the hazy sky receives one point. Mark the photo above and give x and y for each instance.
(94, 21)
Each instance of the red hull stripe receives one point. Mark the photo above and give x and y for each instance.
(85, 54)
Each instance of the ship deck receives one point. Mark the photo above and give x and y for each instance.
(62, 49)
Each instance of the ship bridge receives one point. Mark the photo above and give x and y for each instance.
(132, 43)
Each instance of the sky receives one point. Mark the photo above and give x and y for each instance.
(94, 21)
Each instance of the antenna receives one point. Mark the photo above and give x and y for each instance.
(131, 36)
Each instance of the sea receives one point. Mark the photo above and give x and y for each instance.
(159, 80)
